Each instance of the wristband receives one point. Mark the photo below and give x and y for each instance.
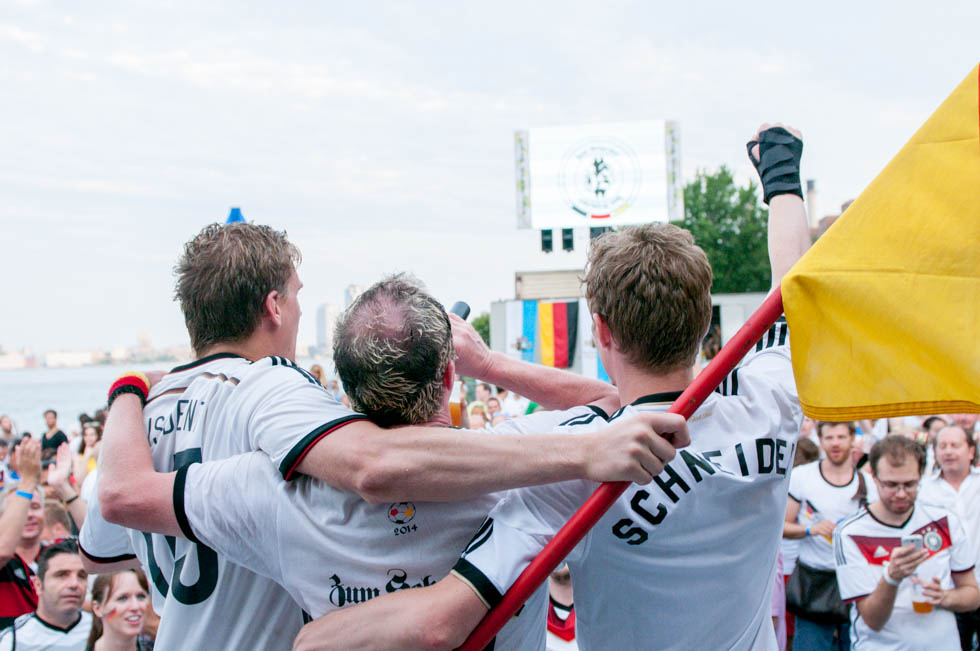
(27, 496)
(807, 532)
(779, 162)
(889, 580)
(132, 382)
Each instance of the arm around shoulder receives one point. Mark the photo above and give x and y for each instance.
(436, 617)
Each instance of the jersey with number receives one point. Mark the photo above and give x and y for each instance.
(862, 547)
(217, 407)
(688, 560)
(820, 500)
(329, 548)
(31, 632)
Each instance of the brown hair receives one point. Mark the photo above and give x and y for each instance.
(897, 447)
(652, 285)
(101, 591)
(91, 424)
(56, 513)
(224, 276)
(806, 451)
(851, 427)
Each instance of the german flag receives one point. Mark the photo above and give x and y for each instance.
(557, 332)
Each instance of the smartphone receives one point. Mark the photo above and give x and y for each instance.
(914, 541)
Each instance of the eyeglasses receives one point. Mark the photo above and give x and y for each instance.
(894, 486)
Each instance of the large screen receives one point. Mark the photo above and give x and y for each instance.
(598, 175)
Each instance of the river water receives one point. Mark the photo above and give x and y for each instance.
(26, 393)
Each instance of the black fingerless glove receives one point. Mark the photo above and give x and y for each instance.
(779, 162)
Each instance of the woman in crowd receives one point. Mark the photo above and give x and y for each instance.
(119, 602)
(85, 460)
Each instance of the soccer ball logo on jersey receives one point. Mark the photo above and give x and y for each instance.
(401, 512)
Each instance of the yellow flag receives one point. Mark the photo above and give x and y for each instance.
(884, 309)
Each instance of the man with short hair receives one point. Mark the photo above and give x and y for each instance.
(59, 623)
(904, 566)
(21, 523)
(237, 286)
(821, 494)
(650, 573)
(57, 523)
(956, 486)
(53, 437)
(329, 548)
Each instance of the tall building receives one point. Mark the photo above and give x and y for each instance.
(326, 320)
(351, 293)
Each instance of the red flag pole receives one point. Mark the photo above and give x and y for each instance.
(607, 494)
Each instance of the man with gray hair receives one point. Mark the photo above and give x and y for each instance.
(393, 351)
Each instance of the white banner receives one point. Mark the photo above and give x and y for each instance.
(599, 175)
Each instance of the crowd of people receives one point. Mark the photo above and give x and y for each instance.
(848, 520)
(256, 504)
(47, 599)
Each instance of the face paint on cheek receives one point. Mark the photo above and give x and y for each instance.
(109, 616)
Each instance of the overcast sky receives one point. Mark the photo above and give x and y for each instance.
(380, 134)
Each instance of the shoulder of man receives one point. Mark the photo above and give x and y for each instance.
(18, 624)
(277, 369)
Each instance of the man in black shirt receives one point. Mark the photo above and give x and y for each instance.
(54, 437)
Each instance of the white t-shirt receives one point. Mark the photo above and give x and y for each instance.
(964, 502)
(820, 500)
(214, 408)
(512, 406)
(30, 633)
(862, 546)
(329, 548)
(687, 561)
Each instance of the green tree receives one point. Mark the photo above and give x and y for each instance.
(482, 325)
(730, 224)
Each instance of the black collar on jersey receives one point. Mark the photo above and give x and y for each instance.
(58, 628)
(854, 472)
(665, 396)
(892, 526)
(203, 360)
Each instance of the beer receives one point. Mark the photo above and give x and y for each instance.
(455, 408)
(919, 605)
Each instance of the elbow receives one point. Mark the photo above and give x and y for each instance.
(373, 474)
(116, 503)
(372, 482)
(874, 623)
(443, 634)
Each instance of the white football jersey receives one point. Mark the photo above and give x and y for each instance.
(821, 500)
(862, 547)
(688, 560)
(30, 632)
(216, 407)
(329, 548)
(963, 502)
